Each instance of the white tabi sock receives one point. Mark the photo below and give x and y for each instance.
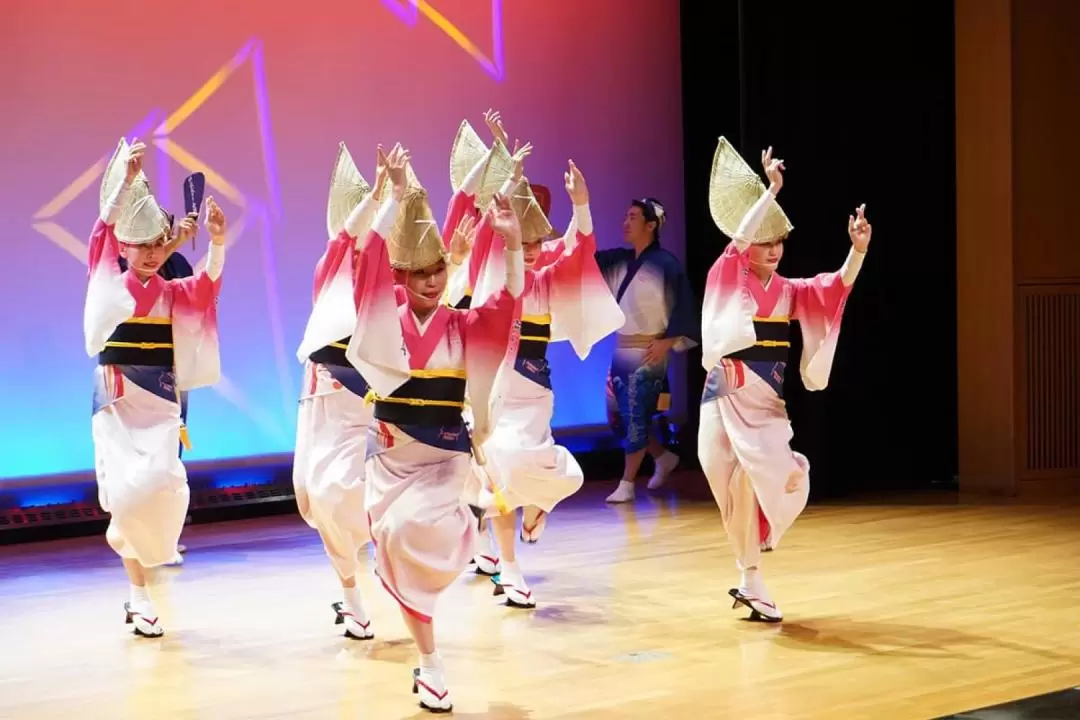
(140, 601)
(354, 605)
(511, 574)
(431, 663)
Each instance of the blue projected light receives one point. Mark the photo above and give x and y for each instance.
(46, 496)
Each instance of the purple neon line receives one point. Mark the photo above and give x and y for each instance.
(497, 39)
(142, 128)
(262, 104)
(403, 11)
(163, 184)
(273, 312)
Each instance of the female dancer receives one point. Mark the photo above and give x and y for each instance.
(566, 299)
(418, 358)
(154, 339)
(333, 418)
(759, 482)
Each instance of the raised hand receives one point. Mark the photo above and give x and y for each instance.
(135, 158)
(380, 165)
(858, 229)
(505, 221)
(518, 159)
(462, 242)
(772, 170)
(215, 221)
(396, 162)
(575, 185)
(493, 120)
(187, 229)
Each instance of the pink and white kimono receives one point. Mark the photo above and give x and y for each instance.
(759, 482)
(566, 298)
(153, 340)
(419, 445)
(333, 417)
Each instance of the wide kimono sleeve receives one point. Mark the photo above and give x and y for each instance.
(819, 307)
(108, 302)
(194, 301)
(492, 335)
(583, 310)
(377, 347)
(727, 313)
(333, 312)
(683, 325)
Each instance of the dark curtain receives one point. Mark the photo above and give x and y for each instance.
(858, 99)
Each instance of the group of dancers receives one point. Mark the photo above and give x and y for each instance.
(424, 419)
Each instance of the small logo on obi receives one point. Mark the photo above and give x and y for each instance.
(778, 372)
(167, 381)
(449, 435)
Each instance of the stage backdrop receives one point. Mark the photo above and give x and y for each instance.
(258, 97)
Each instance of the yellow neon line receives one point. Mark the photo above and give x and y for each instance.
(450, 29)
(200, 96)
(193, 164)
(72, 191)
(64, 239)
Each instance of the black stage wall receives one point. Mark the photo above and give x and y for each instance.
(857, 98)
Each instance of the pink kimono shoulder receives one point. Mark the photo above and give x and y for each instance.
(113, 296)
(728, 315)
(378, 348)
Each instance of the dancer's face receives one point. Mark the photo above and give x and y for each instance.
(146, 259)
(426, 287)
(532, 249)
(766, 256)
(636, 229)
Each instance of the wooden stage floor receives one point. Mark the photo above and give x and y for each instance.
(893, 611)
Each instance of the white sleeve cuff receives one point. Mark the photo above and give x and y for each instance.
(515, 272)
(583, 219)
(509, 186)
(753, 218)
(111, 212)
(851, 267)
(472, 180)
(359, 219)
(215, 261)
(384, 220)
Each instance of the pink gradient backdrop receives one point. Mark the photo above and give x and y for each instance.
(597, 81)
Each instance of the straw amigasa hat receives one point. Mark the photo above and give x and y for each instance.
(415, 241)
(348, 188)
(467, 151)
(142, 220)
(531, 215)
(733, 190)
